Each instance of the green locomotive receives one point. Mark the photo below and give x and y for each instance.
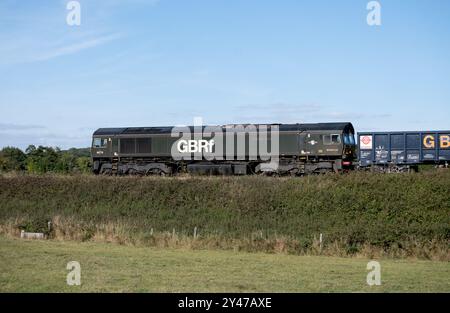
(300, 149)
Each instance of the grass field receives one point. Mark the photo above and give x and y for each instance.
(40, 266)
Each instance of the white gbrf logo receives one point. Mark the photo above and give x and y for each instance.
(374, 276)
(190, 146)
(227, 142)
(74, 276)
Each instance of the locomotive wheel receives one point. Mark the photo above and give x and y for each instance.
(270, 174)
(294, 172)
(133, 172)
(155, 172)
(106, 172)
(322, 171)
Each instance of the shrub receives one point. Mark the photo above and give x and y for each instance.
(387, 211)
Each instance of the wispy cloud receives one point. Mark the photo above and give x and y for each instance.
(23, 135)
(281, 107)
(129, 2)
(354, 115)
(48, 138)
(77, 47)
(15, 127)
(280, 112)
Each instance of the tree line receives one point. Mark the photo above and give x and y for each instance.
(41, 159)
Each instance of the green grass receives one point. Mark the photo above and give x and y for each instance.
(40, 266)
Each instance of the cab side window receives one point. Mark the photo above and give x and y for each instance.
(332, 139)
(100, 142)
(335, 139)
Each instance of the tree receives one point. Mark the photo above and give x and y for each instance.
(84, 164)
(12, 159)
(3, 163)
(66, 162)
(41, 159)
(30, 149)
(80, 152)
(45, 159)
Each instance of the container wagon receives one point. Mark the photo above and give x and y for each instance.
(403, 151)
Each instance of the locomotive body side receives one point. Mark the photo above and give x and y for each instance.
(303, 149)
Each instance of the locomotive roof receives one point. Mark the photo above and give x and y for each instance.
(346, 126)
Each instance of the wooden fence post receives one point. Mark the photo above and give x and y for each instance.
(320, 241)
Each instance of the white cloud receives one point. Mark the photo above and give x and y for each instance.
(17, 127)
(280, 112)
(77, 47)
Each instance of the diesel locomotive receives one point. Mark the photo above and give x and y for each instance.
(301, 149)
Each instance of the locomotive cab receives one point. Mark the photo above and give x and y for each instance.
(101, 146)
(100, 151)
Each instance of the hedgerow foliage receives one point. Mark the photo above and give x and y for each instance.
(382, 210)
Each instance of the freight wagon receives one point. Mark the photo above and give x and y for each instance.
(403, 151)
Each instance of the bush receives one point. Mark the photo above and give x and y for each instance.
(387, 211)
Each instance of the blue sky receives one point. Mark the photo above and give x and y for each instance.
(154, 63)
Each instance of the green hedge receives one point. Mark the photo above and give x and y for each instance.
(379, 209)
